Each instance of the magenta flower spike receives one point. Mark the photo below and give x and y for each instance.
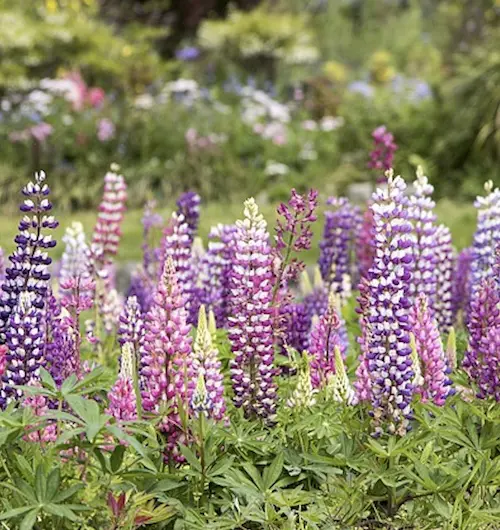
(167, 336)
(363, 383)
(436, 385)
(122, 399)
(382, 155)
(324, 338)
(107, 231)
(250, 327)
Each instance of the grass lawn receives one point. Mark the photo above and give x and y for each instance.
(461, 218)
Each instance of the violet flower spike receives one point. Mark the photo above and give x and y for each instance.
(188, 205)
(388, 297)
(250, 327)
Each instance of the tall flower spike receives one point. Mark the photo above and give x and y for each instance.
(434, 368)
(487, 236)
(131, 326)
(167, 336)
(460, 290)
(122, 399)
(365, 247)
(188, 205)
(74, 261)
(215, 271)
(250, 328)
(363, 383)
(107, 231)
(336, 247)
(338, 383)
(177, 244)
(206, 365)
(150, 220)
(382, 156)
(25, 342)
(322, 342)
(303, 395)
(445, 265)
(421, 213)
(29, 263)
(451, 349)
(480, 363)
(388, 342)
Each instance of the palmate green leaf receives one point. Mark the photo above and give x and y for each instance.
(53, 483)
(66, 493)
(191, 458)
(116, 458)
(29, 520)
(15, 512)
(61, 510)
(273, 472)
(47, 380)
(40, 483)
(254, 474)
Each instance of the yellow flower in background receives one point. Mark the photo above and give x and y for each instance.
(335, 71)
(381, 69)
(51, 5)
(127, 50)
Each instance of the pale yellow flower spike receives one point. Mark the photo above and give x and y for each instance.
(418, 380)
(451, 349)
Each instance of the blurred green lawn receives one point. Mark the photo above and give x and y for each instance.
(461, 218)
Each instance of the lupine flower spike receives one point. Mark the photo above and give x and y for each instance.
(250, 327)
(122, 399)
(382, 156)
(206, 365)
(338, 383)
(304, 394)
(388, 292)
(436, 385)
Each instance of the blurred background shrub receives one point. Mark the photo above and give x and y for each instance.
(246, 97)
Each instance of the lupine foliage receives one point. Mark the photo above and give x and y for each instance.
(229, 398)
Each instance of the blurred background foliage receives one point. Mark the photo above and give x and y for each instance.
(246, 97)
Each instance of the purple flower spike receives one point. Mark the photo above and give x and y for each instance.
(177, 245)
(25, 342)
(131, 326)
(324, 339)
(486, 238)
(188, 205)
(436, 385)
(445, 266)
(336, 247)
(29, 269)
(388, 296)
(484, 319)
(460, 290)
(250, 327)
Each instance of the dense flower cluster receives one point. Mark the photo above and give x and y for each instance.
(29, 271)
(388, 297)
(188, 205)
(382, 156)
(336, 247)
(444, 273)
(250, 328)
(436, 385)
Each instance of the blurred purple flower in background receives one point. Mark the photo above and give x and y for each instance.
(188, 53)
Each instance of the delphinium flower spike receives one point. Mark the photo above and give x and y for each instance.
(480, 362)
(250, 327)
(388, 296)
(436, 385)
(336, 247)
(188, 205)
(206, 365)
(487, 236)
(122, 399)
(29, 263)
